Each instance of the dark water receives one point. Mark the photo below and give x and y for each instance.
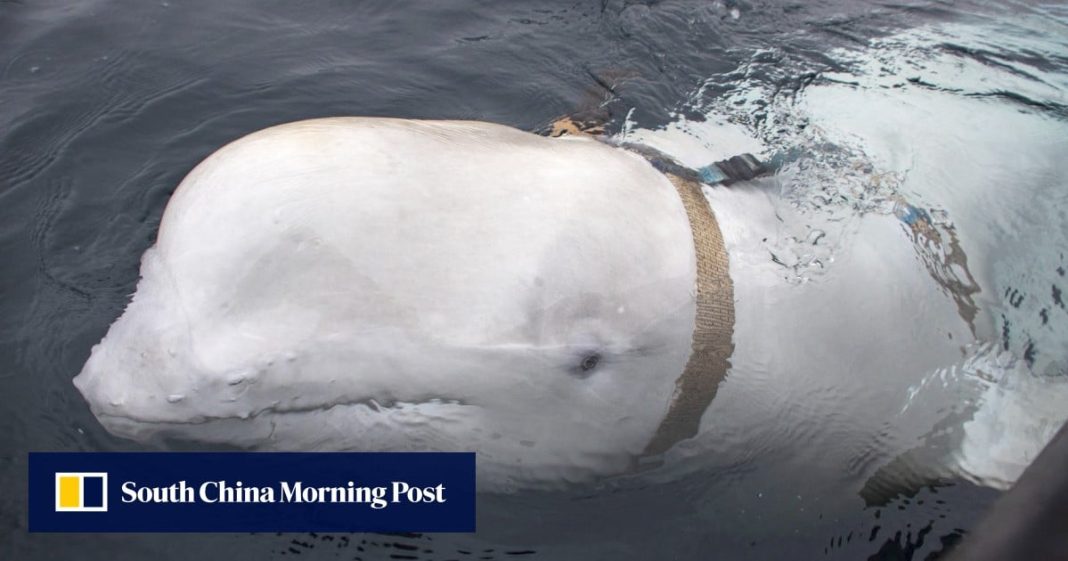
(106, 105)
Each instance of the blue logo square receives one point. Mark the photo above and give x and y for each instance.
(93, 491)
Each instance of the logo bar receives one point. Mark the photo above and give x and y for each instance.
(81, 492)
(251, 492)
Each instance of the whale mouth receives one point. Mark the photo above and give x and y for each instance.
(360, 425)
(372, 405)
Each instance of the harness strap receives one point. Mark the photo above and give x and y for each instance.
(714, 327)
(712, 343)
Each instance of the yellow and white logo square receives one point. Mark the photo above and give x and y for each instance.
(82, 492)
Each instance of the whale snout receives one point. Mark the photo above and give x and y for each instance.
(123, 386)
(141, 374)
(138, 388)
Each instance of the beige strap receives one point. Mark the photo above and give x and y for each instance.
(713, 331)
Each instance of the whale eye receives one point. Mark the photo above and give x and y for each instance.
(589, 362)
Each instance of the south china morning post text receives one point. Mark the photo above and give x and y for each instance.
(377, 497)
(251, 491)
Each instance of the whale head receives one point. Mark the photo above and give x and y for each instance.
(374, 284)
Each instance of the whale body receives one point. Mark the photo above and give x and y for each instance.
(377, 284)
(386, 284)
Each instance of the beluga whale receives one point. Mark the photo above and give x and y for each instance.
(560, 305)
(572, 308)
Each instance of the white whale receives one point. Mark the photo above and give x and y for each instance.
(380, 284)
(386, 284)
